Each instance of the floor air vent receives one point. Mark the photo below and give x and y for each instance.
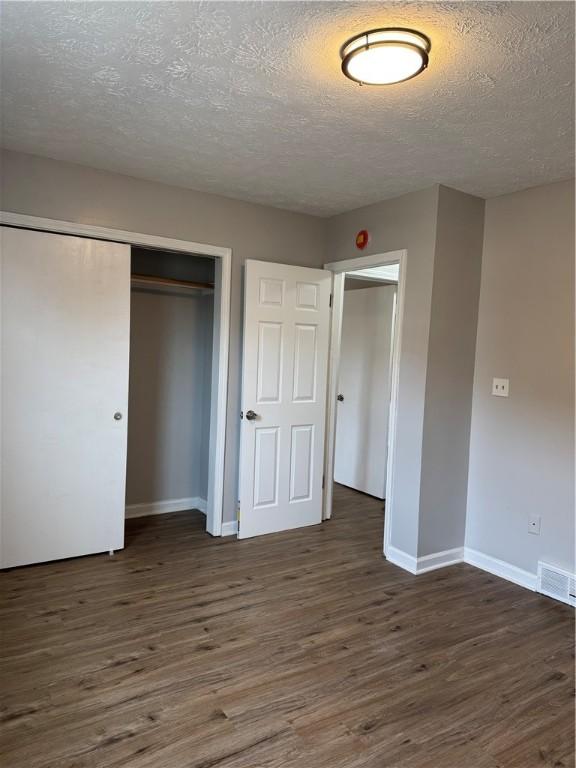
(556, 583)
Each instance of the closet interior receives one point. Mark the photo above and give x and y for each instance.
(171, 343)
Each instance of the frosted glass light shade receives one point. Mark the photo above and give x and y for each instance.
(385, 56)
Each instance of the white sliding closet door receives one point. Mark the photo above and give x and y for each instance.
(65, 304)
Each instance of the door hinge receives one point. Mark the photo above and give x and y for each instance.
(323, 481)
(331, 299)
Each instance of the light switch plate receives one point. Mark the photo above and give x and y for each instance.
(500, 387)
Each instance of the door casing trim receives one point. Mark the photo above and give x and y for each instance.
(339, 268)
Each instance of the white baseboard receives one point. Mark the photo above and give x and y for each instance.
(200, 504)
(164, 507)
(230, 528)
(402, 559)
(440, 560)
(417, 565)
(427, 563)
(500, 568)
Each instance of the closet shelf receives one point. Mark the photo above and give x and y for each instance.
(162, 283)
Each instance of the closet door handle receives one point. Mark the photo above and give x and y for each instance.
(250, 415)
(117, 416)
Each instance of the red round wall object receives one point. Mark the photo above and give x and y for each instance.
(362, 239)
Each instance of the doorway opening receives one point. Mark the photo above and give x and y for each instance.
(363, 383)
(170, 383)
(361, 441)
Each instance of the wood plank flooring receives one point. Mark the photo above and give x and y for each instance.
(303, 649)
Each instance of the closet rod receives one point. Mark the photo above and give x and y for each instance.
(168, 282)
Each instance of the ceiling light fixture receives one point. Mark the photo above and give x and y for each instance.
(385, 56)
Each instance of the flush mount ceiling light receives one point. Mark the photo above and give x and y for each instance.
(385, 56)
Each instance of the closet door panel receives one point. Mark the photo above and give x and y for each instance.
(64, 399)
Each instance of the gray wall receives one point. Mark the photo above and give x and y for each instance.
(450, 372)
(407, 222)
(41, 187)
(522, 448)
(442, 232)
(170, 364)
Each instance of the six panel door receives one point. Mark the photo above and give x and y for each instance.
(286, 335)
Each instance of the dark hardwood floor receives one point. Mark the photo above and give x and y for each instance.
(303, 649)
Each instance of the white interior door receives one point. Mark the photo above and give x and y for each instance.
(286, 332)
(65, 304)
(364, 384)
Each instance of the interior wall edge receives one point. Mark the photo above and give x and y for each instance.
(404, 223)
(450, 371)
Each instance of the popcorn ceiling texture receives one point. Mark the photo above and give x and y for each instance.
(247, 99)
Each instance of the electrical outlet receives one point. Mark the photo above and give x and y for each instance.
(534, 524)
(500, 387)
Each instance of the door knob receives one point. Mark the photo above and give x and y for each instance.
(340, 398)
(250, 415)
(117, 416)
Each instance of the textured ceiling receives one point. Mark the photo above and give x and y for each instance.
(247, 99)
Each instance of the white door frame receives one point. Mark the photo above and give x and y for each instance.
(221, 333)
(340, 268)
